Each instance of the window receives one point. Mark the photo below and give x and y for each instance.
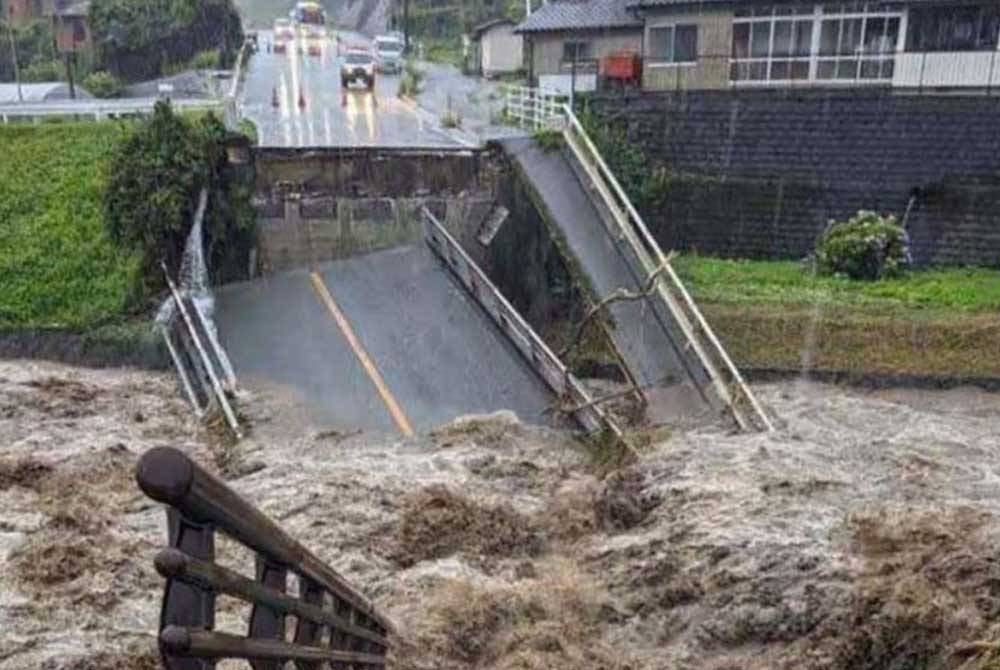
(844, 41)
(954, 29)
(858, 48)
(674, 44)
(79, 30)
(775, 47)
(576, 51)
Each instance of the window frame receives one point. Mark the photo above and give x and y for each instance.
(577, 42)
(658, 62)
(820, 14)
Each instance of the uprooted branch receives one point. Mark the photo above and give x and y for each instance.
(619, 295)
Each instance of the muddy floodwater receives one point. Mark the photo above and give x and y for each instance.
(862, 535)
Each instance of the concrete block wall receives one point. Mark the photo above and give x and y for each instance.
(315, 206)
(760, 173)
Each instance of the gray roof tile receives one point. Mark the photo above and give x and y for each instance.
(580, 14)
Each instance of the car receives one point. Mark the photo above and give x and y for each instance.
(389, 52)
(283, 30)
(358, 66)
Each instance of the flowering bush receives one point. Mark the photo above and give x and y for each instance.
(867, 246)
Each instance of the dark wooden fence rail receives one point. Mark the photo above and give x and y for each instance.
(334, 624)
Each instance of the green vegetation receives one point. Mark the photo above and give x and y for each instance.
(210, 59)
(789, 283)
(151, 197)
(140, 40)
(35, 48)
(448, 51)
(548, 140)
(451, 119)
(43, 70)
(102, 84)
(778, 315)
(411, 81)
(58, 268)
(626, 160)
(248, 128)
(867, 246)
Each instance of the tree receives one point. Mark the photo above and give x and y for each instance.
(155, 178)
(136, 39)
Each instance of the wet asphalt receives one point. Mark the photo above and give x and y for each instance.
(296, 100)
(438, 353)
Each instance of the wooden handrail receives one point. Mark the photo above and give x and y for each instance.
(199, 504)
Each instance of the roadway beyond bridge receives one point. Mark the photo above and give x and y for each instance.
(380, 342)
(296, 100)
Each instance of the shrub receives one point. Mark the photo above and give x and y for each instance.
(43, 71)
(548, 140)
(409, 83)
(867, 246)
(248, 128)
(451, 119)
(206, 60)
(152, 194)
(102, 84)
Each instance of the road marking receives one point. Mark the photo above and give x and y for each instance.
(395, 410)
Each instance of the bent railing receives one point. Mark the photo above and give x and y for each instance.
(205, 371)
(334, 623)
(725, 378)
(519, 332)
(627, 227)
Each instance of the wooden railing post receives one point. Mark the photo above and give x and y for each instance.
(199, 505)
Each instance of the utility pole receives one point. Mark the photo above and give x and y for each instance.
(69, 74)
(13, 53)
(406, 26)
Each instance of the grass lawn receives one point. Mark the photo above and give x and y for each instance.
(788, 283)
(774, 315)
(58, 269)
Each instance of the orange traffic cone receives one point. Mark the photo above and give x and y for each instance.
(274, 97)
(302, 100)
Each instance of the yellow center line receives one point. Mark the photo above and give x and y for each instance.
(395, 410)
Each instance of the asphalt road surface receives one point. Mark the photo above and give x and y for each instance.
(296, 101)
(385, 342)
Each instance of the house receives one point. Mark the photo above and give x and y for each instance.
(722, 44)
(565, 40)
(496, 48)
(19, 11)
(714, 44)
(69, 24)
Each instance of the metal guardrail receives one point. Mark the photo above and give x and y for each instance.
(532, 107)
(538, 354)
(726, 379)
(628, 226)
(204, 368)
(99, 110)
(334, 623)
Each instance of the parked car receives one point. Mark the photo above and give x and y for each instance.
(358, 66)
(389, 53)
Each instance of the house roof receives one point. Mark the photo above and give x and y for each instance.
(80, 8)
(476, 32)
(580, 15)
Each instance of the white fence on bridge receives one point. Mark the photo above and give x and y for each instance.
(537, 110)
(99, 110)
